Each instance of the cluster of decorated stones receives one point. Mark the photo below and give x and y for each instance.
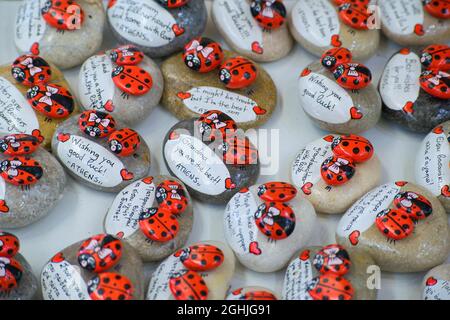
(350, 24)
(415, 87)
(266, 224)
(212, 157)
(201, 271)
(169, 24)
(12, 269)
(252, 294)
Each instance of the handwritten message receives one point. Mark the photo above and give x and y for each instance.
(438, 291)
(298, 275)
(30, 26)
(401, 16)
(158, 288)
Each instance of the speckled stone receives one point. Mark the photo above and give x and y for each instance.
(306, 176)
(252, 247)
(245, 36)
(65, 49)
(96, 88)
(183, 87)
(336, 115)
(137, 164)
(66, 272)
(435, 30)
(217, 280)
(27, 206)
(301, 271)
(192, 17)
(247, 293)
(28, 284)
(317, 39)
(427, 247)
(432, 170)
(123, 216)
(45, 125)
(436, 283)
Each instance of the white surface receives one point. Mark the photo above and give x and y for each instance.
(80, 214)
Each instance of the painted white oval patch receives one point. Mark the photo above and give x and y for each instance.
(30, 26)
(158, 288)
(437, 289)
(298, 275)
(401, 16)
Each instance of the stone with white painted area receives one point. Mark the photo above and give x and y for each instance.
(436, 283)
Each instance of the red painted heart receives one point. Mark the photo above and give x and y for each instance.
(405, 51)
(335, 41)
(244, 190)
(177, 30)
(409, 107)
(329, 138)
(438, 130)
(120, 234)
(254, 248)
(445, 191)
(304, 255)
(147, 180)
(63, 137)
(354, 237)
(109, 106)
(37, 133)
(305, 72)
(111, 3)
(256, 48)
(418, 29)
(3, 207)
(57, 258)
(174, 135)
(259, 111)
(401, 183)
(229, 184)
(183, 95)
(126, 175)
(355, 113)
(35, 48)
(306, 188)
(431, 281)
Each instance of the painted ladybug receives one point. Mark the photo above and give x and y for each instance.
(128, 55)
(20, 143)
(360, 2)
(215, 124)
(9, 244)
(132, 80)
(171, 195)
(30, 70)
(277, 191)
(51, 100)
(436, 83)
(336, 56)
(333, 258)
(270, 14)
(158, 224)
(63, 14)
(110, 286)
(354, 15)
(330, 286)
(275, 219)
(99, 253)
(21, 171)
(201, 257)
(124, 142)
(173, 3)
(415, 205)
(188, 285)
(252, 295)
(96, 124)
(436, 57)
(394, 224)
(353, 76)
(337, 170)
(238, 151)
(238, 73)
(203, 55)
(10, 273)
(354, 147)
(437, 8)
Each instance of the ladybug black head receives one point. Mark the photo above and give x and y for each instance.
(3, 145)
(225, 76)
(426, 59)
(161, 194)
(115, 146)
(93, 284)
(147, 214)
(339, 71)
(193, 62)
(329, 62)
(47, 6)
(31, 93)
(18, 74)
(261, 190)
(86, 261)
(92, 131)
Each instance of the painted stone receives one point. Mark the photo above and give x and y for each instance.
(90, 160)
(252, 294)
(154, 29)
(256, 249)
(235, 22)
(332, 199)
(432, 164)
(426, 247)
(238, 73)
(27, 287)
(62, 278)
(316, 25)
(122, 218)
(404, 101)
(408, 23)
(210, 285)
(436, 283)
(188, 94)
(66, 44)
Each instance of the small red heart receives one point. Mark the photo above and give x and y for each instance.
(254, 248)
(147, 180)
(177, 30)
(120, 235)
(306, 188)
(409, 107)
(244, 190)
(37, 133)
(183, 95)
(109, 106)
(354, 237)
(445, 191)
(329, 138)
(256, 48)
(126, 175)
(259, 111)
(418, 29)
(438, 130)
(304, 255)
(335, 41)
(35, 48)
(431, 281)
(405, 51)
(355, 113)
(111, 3)
(174, 135)
(237, 291)
(305, 72)
(401, 183)
(3, 207)
(57, 258)
(229, 185)
(63, 137)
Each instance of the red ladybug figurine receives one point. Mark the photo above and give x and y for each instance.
(132, 80)
(30, 70)
(238, 151)
(437, 8)
(275, 219)
(215, 124)
(171, 195)
(333, 258)
(336, 56)
(96, 124)
(20, 143)
(415, 205)
(238, 73)
(394, 224)
(110, 286)
(171, 4)
(63, 14)
(355, 15)
(436, 83)
(100, 253)
(354, 147)
(203, 55)
(158, 224)
(9, 244)
(352, 76)
(51, 100)
(277, 191)
(11, 272)
(337, 170)
(124, 142)
(270, 14)
(21, 171)
(330, 286)
(257, 295)
(436, 57)
(188, 285)
(201, 257)
(128, 55)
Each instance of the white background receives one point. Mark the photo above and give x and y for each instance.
(80, 213)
